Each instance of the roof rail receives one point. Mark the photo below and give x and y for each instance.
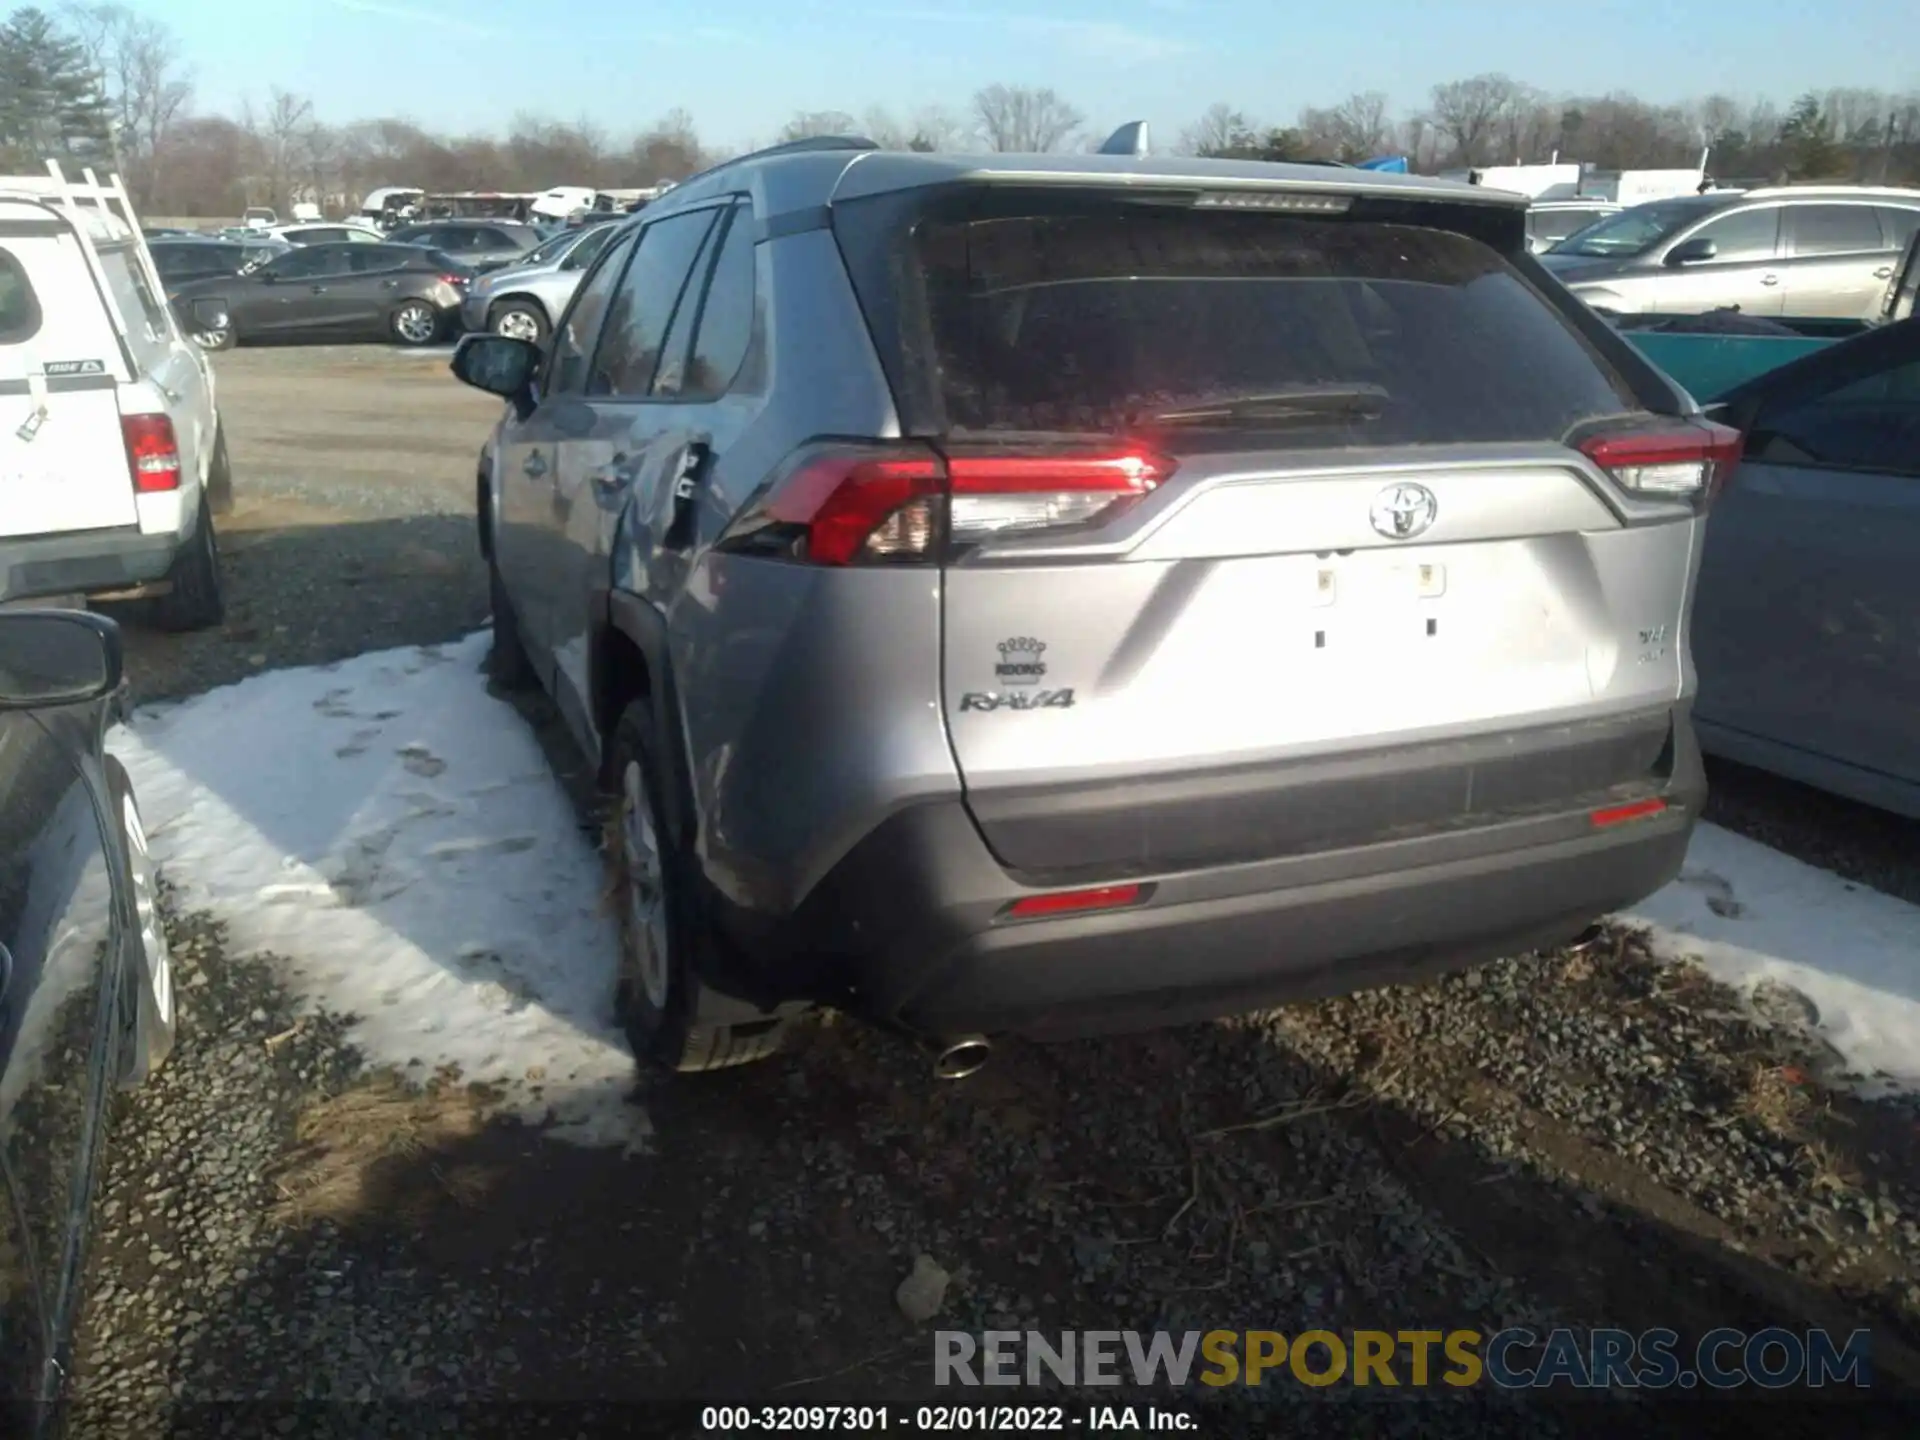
(790, 147)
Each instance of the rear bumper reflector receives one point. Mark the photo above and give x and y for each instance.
(1622, 814)
(1072, 902)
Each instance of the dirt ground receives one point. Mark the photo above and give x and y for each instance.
(1583, 1139)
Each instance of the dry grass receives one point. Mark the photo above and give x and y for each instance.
(370, 1149)
(1778, 1097)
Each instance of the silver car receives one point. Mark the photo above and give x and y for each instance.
(524, 301)
(1055, 594)
(1806, 251)
(1551, 221)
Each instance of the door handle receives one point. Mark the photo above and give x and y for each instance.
(389, 284)
(534, 466)
(1769, 279)
(319, 289)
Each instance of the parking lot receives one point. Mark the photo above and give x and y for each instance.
(1592, 1138)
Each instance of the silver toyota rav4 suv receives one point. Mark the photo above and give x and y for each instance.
(1055, 594)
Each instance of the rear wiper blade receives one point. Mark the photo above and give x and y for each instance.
(1304, 402)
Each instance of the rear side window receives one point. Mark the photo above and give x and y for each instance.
(144, 318)
(631, 343)
(1315, 333)
(1834, 229)
(1901, 225)
(19, 306)
(726, 316)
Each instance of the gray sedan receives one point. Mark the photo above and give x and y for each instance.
(1807, 625)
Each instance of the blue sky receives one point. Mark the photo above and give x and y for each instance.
(742, 67)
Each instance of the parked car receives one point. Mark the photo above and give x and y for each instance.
(1055, 594)
(259, 217)
(341, 234)
(1807, 627)
(525, 299)
(483, 244)
(111, 448)
(1551, 221)
(401, 293)
(190, 257)
(1800, 250)
(86, 983)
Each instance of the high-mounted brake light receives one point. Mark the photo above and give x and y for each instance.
(1274, 200)
(153, 454)
(1690, 461)
(848, 505)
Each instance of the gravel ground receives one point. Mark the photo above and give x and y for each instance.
(1583, 1139)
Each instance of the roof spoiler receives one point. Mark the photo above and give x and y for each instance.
(1129, 139)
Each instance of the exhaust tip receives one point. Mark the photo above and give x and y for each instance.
(958, 1059)
(1587, 940)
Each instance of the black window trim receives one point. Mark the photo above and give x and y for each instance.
(703, 257)
(36, 317)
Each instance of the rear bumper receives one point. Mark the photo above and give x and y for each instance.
(87, 562)
(909, 929)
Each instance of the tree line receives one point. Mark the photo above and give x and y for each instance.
(104, 85)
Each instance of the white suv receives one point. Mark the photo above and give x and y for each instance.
(112, 461)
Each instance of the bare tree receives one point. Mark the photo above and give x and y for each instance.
(1216, 132)
(1358, 128)
(147, 86)
(277, 137)
(1018, 120)
(1467, 112)
(810, 123)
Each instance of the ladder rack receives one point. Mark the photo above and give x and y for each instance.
(69, 196)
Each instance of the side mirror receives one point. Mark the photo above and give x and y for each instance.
(1691, 252)
(57, 657)
(208, 317)
(497, 364)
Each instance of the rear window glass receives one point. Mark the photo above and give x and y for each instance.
(19, 306)
(1317, 333)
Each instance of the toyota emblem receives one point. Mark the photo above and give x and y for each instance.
(1401, 512)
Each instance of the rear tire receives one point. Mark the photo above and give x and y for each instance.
(196, 601)
(414, 322)
(220, 475)
(507, 661)
(672, 1018)
(216, 339)
(148, 1006)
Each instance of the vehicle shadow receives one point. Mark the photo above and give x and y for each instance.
(1132, 1183)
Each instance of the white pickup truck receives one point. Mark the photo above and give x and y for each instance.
(112, 459)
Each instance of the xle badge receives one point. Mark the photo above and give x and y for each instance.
(1018, 700)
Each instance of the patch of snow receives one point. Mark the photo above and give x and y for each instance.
(1754, 917)
(396, 836)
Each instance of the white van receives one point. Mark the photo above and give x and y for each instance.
(112, 459)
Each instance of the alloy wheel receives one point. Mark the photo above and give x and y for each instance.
(146, 906)
(646, 888)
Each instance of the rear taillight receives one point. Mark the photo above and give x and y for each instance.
(1687, 461)
(854, 505)
(459, 281)
(153, 455)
